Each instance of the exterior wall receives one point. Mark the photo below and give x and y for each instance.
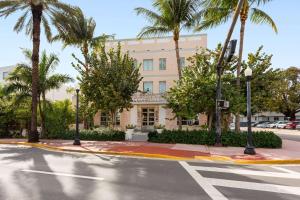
(265, 116)
(5, 70)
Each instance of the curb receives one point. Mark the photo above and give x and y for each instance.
(159, 156)
(144, 155)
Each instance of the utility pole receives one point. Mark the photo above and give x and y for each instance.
(219, 74)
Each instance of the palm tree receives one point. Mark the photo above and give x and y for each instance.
(34, 14)
(217, 12)
(77, 30)
(20, 81)
(172, 16)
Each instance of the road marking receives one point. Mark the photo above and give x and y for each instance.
(254, 186)
(63, 174)
(248, 172)
(293, 173)
(203, 183)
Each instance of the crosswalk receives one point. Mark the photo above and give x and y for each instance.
(210, 184)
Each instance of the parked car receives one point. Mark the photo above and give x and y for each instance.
(263, 125)
(257, 123)
(292, 125)
(272, 124)
(281, 124)
(298, 127)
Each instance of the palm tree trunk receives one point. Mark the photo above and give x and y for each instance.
(37, 11)
(176, 40)
(43, 116)
(238, 78)
(85, 51)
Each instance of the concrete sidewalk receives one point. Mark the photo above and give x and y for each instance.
(289, 154)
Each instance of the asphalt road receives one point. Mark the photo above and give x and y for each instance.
(34, 174)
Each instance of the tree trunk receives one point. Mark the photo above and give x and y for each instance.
(43, 116)
(85, 51)
(176, 40)
(238, 71)
(210, 120)
(37, 11)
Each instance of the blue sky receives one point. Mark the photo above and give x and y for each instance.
(117, 17)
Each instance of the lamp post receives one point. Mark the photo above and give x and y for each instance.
(77, 140)
(250, 147)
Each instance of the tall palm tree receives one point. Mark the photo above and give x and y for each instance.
(34, 14)
(172, 16)
(20, 81)
(217, 12)
(77, 30)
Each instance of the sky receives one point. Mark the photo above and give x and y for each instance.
(118, 17)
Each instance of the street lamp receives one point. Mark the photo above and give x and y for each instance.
(77, 140)
(250, 147)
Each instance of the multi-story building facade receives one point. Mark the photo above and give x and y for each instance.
(157, 59)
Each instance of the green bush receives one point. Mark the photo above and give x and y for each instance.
(94, 135)
(261, 139)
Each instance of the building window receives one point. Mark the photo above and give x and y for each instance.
(162, 64)
(276, 118)
(148, 86)
(148, 64)
(182, 62)
(162, 86)
(5, 74)
(105, 119)
(189, 122)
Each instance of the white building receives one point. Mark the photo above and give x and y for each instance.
(53, 95)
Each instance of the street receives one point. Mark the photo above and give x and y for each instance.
(32, 174)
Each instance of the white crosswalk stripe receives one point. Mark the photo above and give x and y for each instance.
(248, 172)
(208, 183)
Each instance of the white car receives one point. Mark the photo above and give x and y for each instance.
(272, 124)
(281, 124)
(263, 125)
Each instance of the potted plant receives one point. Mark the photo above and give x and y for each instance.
(129, 131)
(159, 128)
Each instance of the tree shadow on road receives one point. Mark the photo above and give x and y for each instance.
(33, 186)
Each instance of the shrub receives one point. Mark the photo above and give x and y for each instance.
(94, 135)
(261, 139)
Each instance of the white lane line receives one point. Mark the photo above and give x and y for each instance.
(248, 172)
(254, 186)
(203, 183)
(63, 174)
(294, 173)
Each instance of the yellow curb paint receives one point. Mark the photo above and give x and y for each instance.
(212, 158)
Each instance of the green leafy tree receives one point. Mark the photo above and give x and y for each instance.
(60, 115)
(20, 81)
(172, 16)
(195, 92)
(112, 80)
(217, 12)
(263, 84)
(35, 13)
(287, 98)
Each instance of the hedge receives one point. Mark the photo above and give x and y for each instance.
(261, 139)
(94, 135)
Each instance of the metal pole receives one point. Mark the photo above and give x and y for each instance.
(219, 73)
(77, 140)
(250, 147)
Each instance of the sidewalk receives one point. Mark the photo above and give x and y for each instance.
(288, 154)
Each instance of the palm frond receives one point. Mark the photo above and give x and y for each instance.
(260, 17)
